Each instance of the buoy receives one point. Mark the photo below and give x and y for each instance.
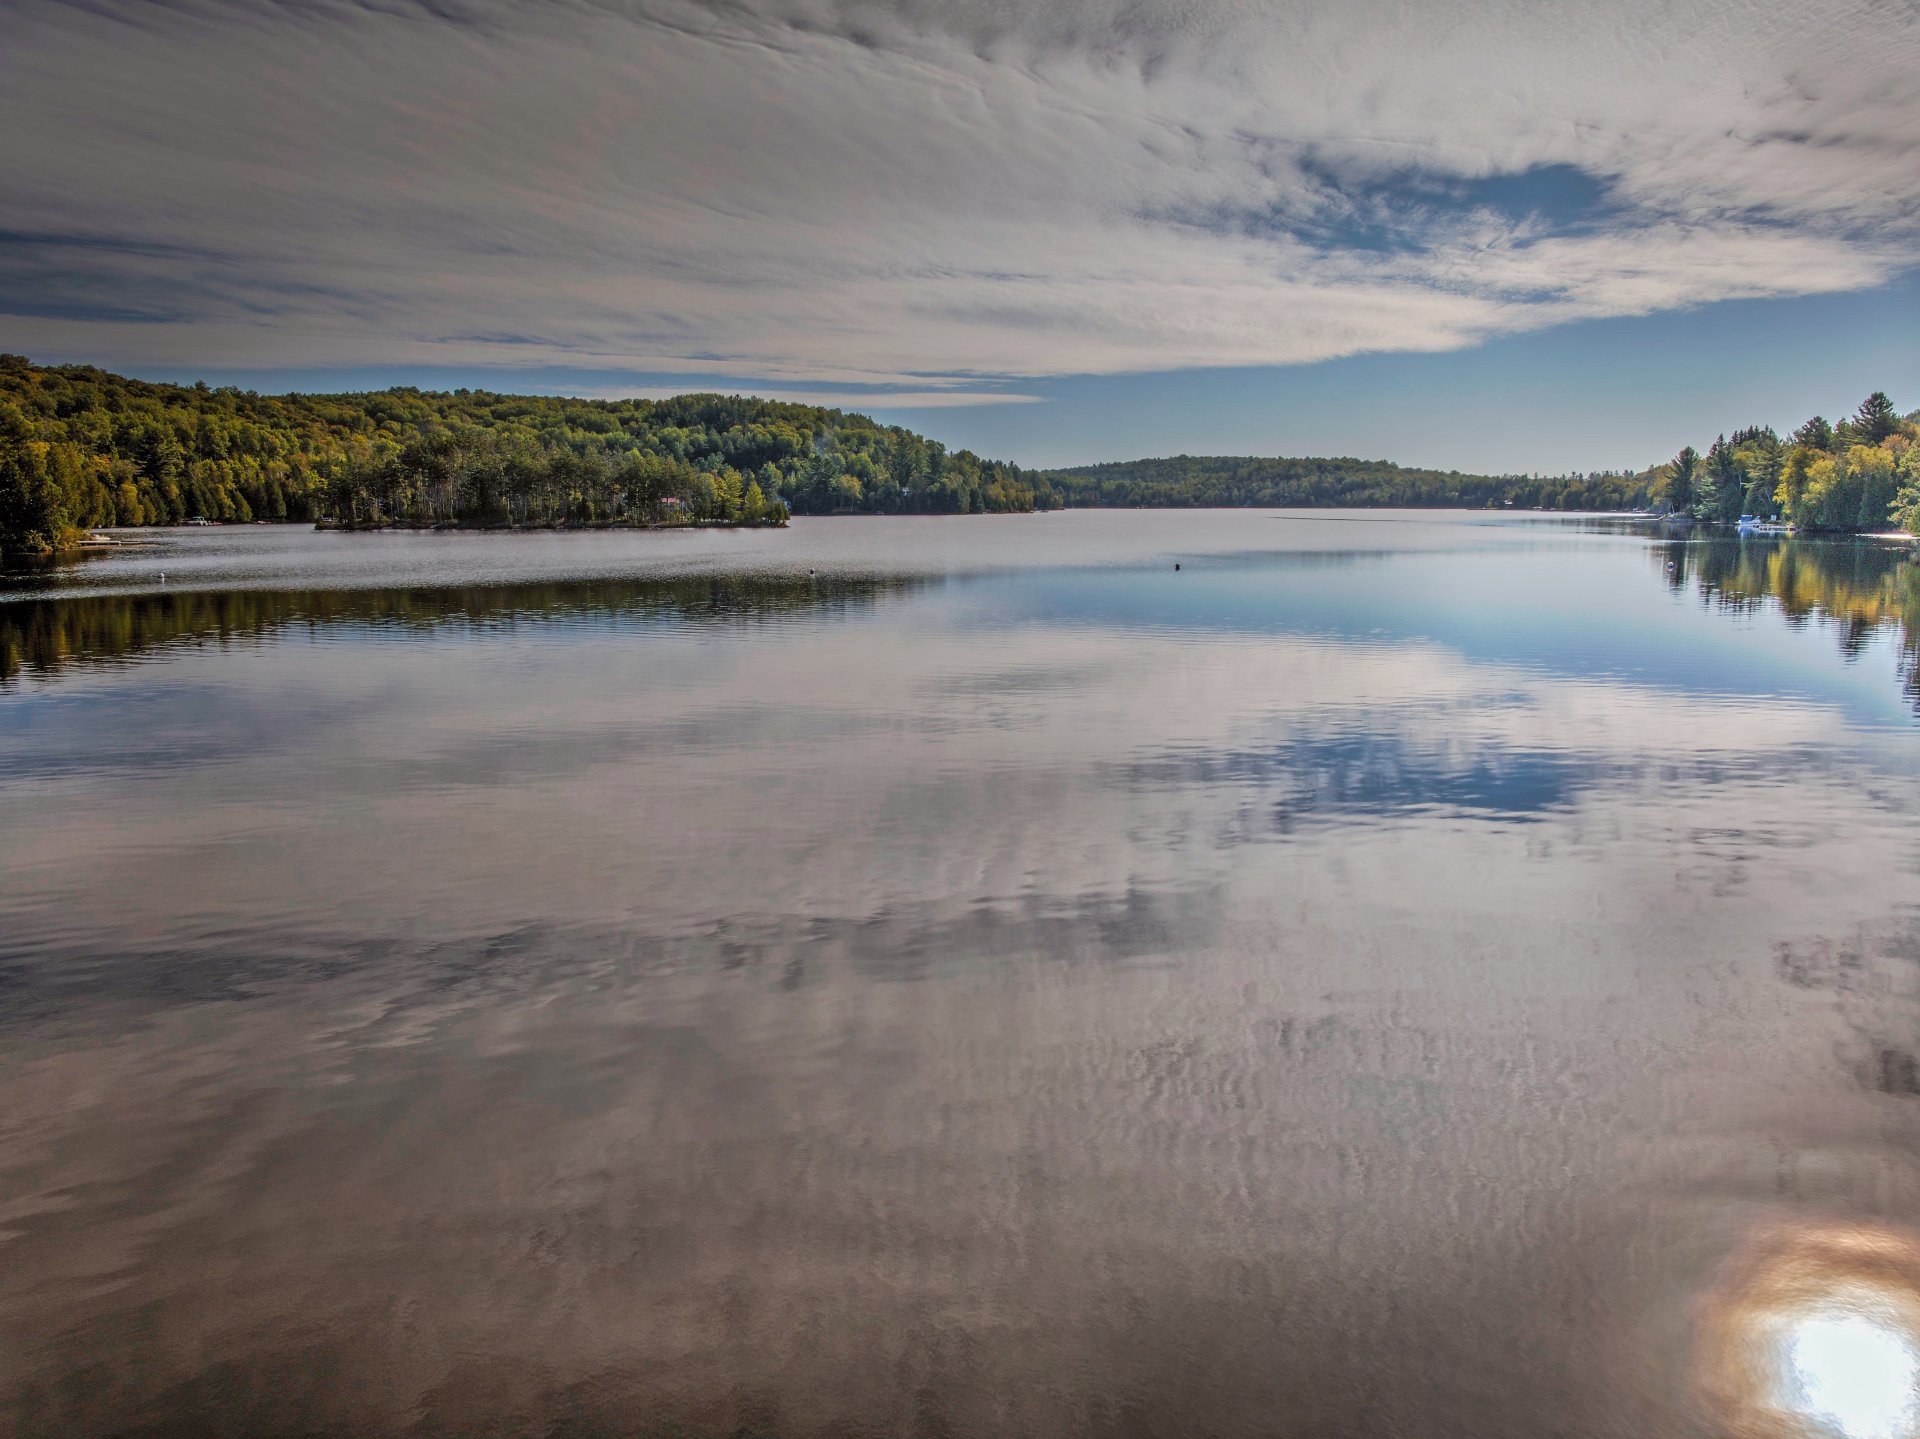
(1176, 564)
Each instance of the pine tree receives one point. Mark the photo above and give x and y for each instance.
(1816, 434)
(1722, 484)
(1876, 419)
(1677, 483)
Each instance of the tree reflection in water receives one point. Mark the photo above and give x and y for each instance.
(43, 636)
(1856, 587)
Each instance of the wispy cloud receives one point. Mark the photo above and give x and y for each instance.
(857, 400)
(923, 194)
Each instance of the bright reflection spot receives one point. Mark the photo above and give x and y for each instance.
(1814, 1333)
(1856, 1375)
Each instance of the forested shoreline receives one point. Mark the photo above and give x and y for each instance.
(81, 448)
(1862, 473)
(1232, 481)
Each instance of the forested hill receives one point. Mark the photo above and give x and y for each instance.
(1229, 480)
(81, 448)
(1858, 473)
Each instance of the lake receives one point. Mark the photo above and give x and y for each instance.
(1392, 974)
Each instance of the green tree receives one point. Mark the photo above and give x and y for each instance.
(1789, 495)
(1905, 512)
(1876, 419)
(1722, 487)
(1815, 434)
(32, 518)
(1677, 482)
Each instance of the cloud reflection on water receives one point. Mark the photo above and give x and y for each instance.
(897, 1016)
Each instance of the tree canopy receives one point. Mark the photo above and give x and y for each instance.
(81, 448)
(1860, 474)
(1202, 481)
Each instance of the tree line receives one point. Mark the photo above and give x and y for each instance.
(1860, 474)
(1226, 481)
(81, 448)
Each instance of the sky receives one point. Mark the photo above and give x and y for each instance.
(1499, 235)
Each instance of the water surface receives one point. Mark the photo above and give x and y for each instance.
(948, 977)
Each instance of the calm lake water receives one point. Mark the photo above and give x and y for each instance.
(1394, 975)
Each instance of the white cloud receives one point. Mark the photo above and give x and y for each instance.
(924, 193)
(859, 400)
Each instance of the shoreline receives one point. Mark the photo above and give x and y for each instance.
(556, 527)
(147, 536)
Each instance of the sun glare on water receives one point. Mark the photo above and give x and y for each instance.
(1816, 1335)
(1851, 1374)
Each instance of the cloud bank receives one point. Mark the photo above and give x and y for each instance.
(932, 196)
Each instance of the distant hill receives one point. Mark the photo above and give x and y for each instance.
(1230, 480)
(81, 448)
(1858, 473)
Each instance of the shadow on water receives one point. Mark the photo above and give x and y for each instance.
(1856, 587)
(46, 636)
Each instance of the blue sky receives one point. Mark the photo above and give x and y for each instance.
(1602, 394)
(1599, 394)
(1482, 234)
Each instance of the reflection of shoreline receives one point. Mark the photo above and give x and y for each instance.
(1856, 586)
(44, 636)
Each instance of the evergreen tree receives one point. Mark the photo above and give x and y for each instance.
(1815, 434)
(1677, 488)
(1876, 419)
(1722, 486)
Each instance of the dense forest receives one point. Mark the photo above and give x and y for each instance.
(1860, 474)
(81, 448)
(1210, 481)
